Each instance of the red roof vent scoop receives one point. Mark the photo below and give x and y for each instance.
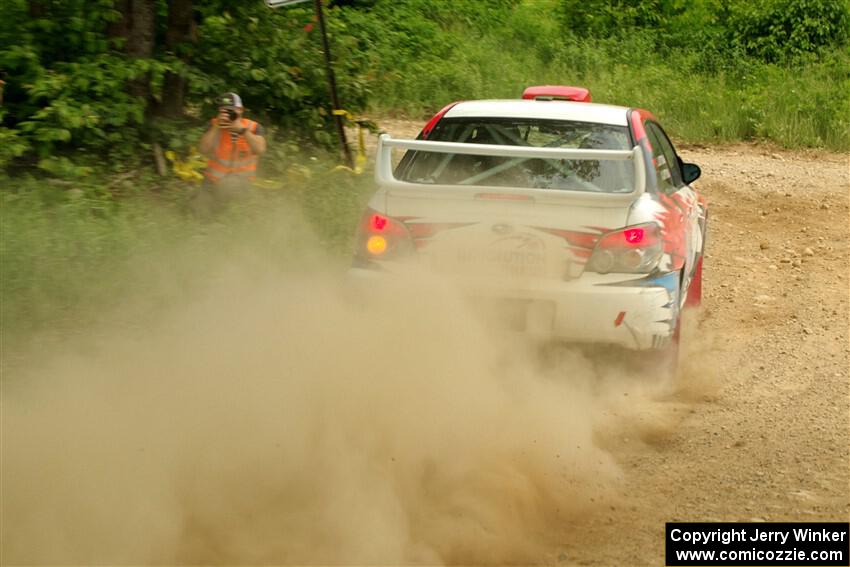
(556, 92)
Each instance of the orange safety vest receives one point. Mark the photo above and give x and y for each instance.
(233, 159)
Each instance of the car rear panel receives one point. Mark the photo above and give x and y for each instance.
(486, 234)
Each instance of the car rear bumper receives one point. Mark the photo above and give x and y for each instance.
(626, 310)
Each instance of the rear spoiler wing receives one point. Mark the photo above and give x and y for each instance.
(385, 177)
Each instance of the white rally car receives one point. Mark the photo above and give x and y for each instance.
(581, 214)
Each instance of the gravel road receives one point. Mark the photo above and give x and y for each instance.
(766, 435)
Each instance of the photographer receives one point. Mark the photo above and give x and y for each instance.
(232, 145)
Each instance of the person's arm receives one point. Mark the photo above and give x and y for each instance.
(256, 141)
(210, 137)
(207, 144)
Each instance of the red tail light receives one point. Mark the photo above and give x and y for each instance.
(636, 249)
(634, 235)
(381, 236)
(376, 223)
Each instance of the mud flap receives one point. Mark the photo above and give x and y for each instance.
(694, 297)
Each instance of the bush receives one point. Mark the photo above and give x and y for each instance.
(783, 30)
(604, 18)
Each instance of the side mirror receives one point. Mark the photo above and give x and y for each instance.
(690, 172)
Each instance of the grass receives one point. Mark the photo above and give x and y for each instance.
(69, 259)
(700, 96)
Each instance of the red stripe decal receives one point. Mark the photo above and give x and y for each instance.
(575, 238)
(619, 320)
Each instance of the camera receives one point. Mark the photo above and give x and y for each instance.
(232, 114)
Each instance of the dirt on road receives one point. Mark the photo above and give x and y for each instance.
(277, 422)
(768, 439)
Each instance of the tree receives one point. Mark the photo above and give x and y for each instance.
(178, 36)
(137, 30)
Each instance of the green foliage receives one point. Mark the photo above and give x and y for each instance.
(277, 65)
(85, 103)
(603, 18)
(781, 30)
(74, 99)
(771, 31)
(683, 66)
(56, 244)
(12, 143)
(68, 88)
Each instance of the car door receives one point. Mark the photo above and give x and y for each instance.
(682, 212)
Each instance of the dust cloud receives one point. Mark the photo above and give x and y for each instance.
(282, 418)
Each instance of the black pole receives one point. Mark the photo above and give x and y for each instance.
(332, 83)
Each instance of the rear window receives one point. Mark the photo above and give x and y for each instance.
(558, 174)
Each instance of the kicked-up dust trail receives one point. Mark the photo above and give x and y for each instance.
(281, 420)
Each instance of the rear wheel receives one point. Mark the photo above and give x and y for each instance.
(667, 358)
(665, 361)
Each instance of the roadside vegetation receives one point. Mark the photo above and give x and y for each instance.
(97, 91)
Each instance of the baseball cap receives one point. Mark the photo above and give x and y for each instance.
(230, 99)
